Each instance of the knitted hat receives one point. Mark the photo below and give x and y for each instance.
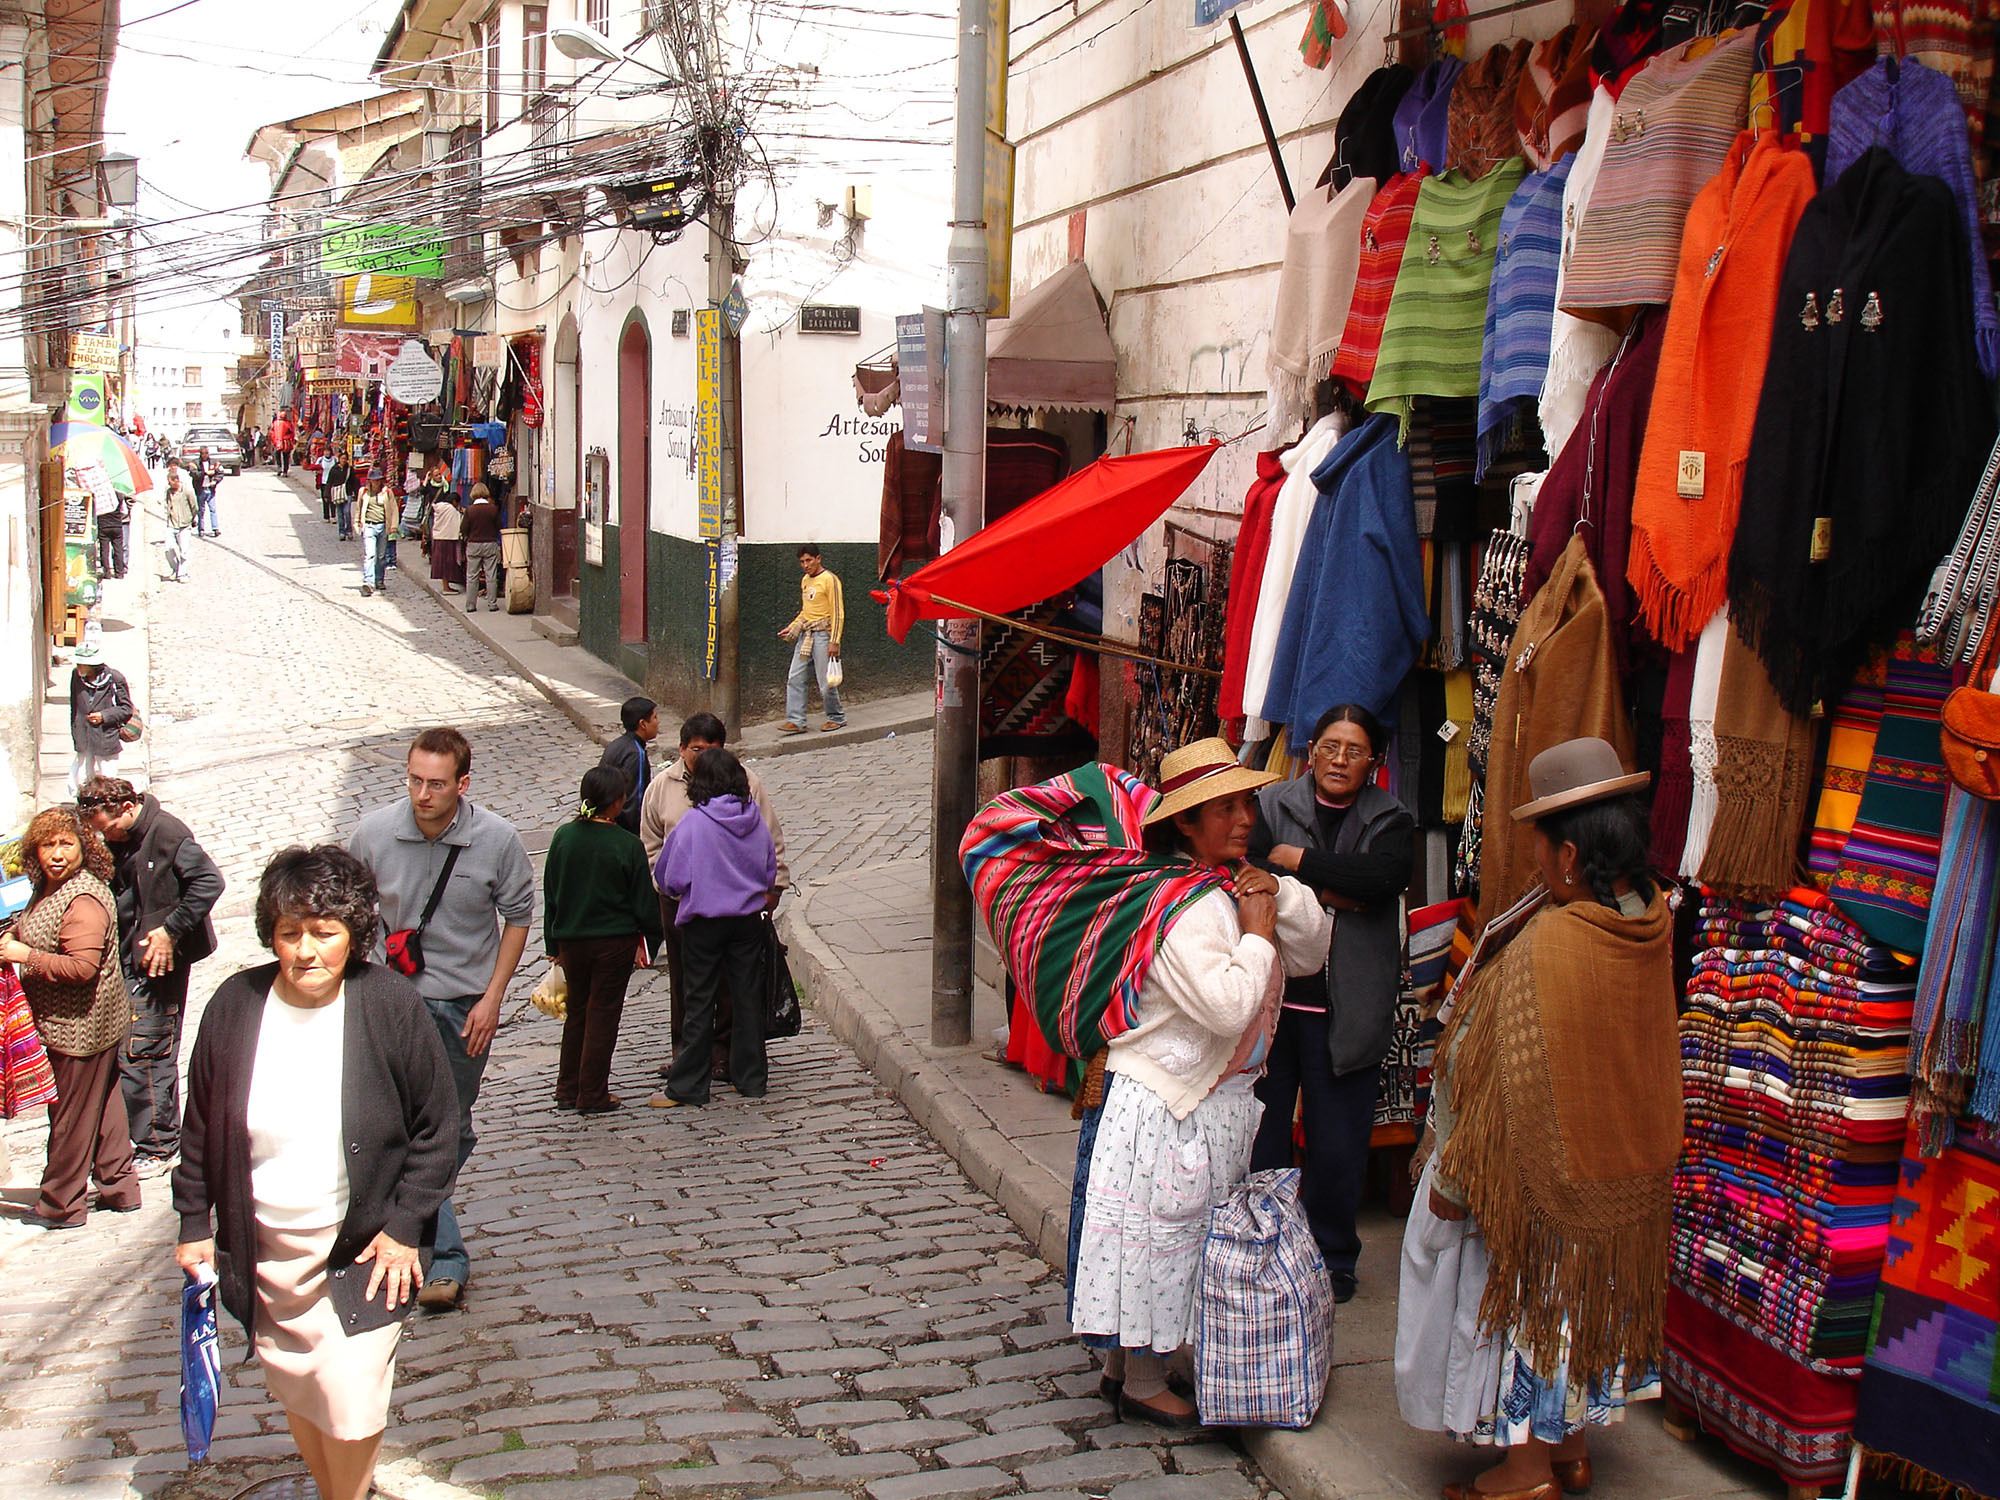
(1200, 773)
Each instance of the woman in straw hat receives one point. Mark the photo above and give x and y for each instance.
(1535, 1257)
(1179, 1113)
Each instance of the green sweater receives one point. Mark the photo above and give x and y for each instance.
(595, 884)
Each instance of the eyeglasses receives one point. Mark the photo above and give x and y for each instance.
(1340, 755)
(436, 788)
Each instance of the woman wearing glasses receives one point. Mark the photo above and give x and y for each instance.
(1352, 843)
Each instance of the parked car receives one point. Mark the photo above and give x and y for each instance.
(221, 445)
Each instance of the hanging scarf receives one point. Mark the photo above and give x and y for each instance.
(1955, 1003)
(1763, 773)
(1704, 687)
(1325, 25)
(1718, 337)
(1479, 131)
(1520, 311)
(1077, 905)
(1552, 103)
(1571, 1180)
(1850, 750)
(1959, 610)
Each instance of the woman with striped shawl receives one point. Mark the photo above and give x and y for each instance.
(1151, 947)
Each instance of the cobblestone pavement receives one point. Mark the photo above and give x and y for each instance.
(797, 1296)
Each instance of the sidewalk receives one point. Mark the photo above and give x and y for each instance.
(861, 949)
(121, 616)
(588, 690)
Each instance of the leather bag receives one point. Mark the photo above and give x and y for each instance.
(1969, 728)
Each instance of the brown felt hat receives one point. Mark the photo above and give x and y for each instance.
(1574, 773)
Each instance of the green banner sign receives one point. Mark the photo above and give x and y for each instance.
(382, 249)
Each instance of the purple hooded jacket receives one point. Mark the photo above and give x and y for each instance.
(718, 861)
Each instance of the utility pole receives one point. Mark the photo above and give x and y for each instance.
(719, 171)
(955, 745)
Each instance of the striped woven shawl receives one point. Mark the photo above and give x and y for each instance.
(1076, 903)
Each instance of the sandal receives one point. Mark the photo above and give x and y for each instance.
(788, 727)
(829, 726)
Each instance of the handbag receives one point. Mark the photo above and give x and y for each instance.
(781, 1002)
(404, 948)
(132, 728)
(1263, 1340)
(1969, 729)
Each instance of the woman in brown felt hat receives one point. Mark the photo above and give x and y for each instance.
(1174, 1136)
(1535, 1257)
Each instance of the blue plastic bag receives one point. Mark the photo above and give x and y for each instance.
(201, 1364)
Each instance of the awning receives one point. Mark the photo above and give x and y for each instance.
(1054, 353)
(1052, 543)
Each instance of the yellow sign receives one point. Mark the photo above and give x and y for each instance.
(996, 66)
(93, 351)
(378, 302)
(999, 226)
(708, 420)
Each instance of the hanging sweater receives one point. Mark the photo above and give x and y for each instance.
(1520, 308)
(1481, 133)
(1384, 232)
(1246, 577)
(1315, 289)
(1914, 111)
(1423, 117)
(1354, 621)
(1718, 337)
(1578, 347)
(1290, 515)
(1431, 338)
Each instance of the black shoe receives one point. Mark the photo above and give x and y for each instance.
(566, 1104)
(1343, 1288)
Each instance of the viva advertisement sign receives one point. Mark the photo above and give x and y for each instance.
(382, 250)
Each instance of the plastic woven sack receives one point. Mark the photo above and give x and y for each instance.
(201, 1365)
(1263, 1342)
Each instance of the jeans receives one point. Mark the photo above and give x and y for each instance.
(712, 948)
(149, 1063)
(1339, 1118)
(177, 551)
(451, 1262)
(374, 552)
(110, 547)
(206, 520)
(344, 513)
(814, 659)
(482, 571)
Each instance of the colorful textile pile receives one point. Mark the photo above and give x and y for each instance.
(26, 1079)
(1077, 905)
(1793, 1044)
(1024, 688)
(1930, 1395)
(1406, 1073)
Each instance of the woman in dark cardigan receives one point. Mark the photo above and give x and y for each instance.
(320, 1136)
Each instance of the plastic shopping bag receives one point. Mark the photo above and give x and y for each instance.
(201, 1364)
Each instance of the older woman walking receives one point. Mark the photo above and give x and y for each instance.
(65, 949)
(1535, 1256)
(321, 1134)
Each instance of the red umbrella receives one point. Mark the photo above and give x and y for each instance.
(1050, 544)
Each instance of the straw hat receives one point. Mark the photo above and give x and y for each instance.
(1200, 773)
(1574, 773)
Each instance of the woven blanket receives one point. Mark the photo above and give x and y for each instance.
(1954, 1004)
(1023, 688)
(1850, 750)
(1405, 1094)
(26, 1079)
(1930, 1393)
(1077, 906)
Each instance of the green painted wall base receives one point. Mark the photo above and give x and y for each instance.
(669, 662)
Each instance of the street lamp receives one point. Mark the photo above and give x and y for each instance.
(120, 175)
(587, 44)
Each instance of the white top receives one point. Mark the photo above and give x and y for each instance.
(1289, 517)
(447, 523)
(298, 1156)
(1206, 985)
(1578, 347)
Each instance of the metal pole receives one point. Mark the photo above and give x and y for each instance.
(955, 749)
(725, 697)
(1263, 114)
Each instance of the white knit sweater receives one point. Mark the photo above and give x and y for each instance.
(1206, 984)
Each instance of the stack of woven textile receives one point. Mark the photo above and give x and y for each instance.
(1794, 1041)
(1405, 1097)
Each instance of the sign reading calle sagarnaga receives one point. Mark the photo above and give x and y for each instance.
(823, 317)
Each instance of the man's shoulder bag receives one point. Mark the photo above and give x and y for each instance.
(404, 948)
(1969, 728)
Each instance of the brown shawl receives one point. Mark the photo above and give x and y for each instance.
(1564, 1068)
(1763, 778)
(1559, 682)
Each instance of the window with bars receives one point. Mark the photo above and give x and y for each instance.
(597, 15)
(534, 49)
(490, 31)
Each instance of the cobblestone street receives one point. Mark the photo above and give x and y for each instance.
(797, 1296)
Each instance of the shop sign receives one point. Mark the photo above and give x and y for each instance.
(999, 184)
(329, 384)
(822, 317)
(365, 356)
(920, 366)
(371, 301)
(735, 309)
(870, 434)
(712, 652)
(708, 421)
(274, 324)
(378, 249)
(413, 377)
(488, 350)
(86, 398)
(93, 351)
(1208, 12)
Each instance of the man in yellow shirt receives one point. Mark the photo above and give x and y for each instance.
(817, 626)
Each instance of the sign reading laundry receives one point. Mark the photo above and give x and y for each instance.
(390, 249)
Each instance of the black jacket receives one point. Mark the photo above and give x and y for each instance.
(627, 754)
(164, 879)
(398, 1110)
(108, 694)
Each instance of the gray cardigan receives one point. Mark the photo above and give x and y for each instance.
(1364, 969)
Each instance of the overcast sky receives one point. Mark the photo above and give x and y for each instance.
(188, 89)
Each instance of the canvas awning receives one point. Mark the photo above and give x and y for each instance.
(1055, 352)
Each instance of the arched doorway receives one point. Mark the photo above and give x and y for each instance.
(635, 474)
(566, 426)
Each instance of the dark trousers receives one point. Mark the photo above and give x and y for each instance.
(725, 1003)
(87, 1138)
(284, 460)
(325, 502)
(715, 950)
(110, 547)
(149, 1071)
(1339, 1115)
(598, 970)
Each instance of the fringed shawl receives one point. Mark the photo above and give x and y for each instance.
(1763, 775)
(1564, 1068)
(1315, 290)
(1077, 905)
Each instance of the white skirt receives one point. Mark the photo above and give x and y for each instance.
(1447, 1367)
(1152, 1182)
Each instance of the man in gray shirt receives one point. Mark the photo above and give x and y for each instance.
(437, 842)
